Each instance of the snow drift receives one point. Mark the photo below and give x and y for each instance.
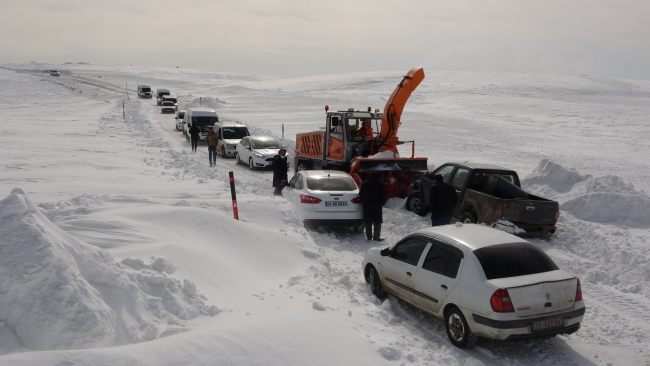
(605, 200)
(58, 292)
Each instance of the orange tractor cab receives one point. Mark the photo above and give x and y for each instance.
(365, 142)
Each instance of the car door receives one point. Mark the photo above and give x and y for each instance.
(289, 191)
(398, 269)
(437, 276)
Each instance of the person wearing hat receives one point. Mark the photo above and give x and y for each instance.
(279, 171)
(373, 196)
(211, 141)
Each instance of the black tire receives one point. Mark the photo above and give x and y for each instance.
(251, 165)
(468, 218)
(223, 152)
(237, 159)
(359, 228)
(375, 283)
(415, 205)
(457, 329)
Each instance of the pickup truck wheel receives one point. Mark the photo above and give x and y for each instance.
(414, 204)
(458, 330)
(375, 284)
(468, 218)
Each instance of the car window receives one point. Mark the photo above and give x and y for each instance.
(513, 260)
(445, 171)
(293, 180)
(442, 260)
(334, 183)
(299, 182)
(459, 178)
(410, 250)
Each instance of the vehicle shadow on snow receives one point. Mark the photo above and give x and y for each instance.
(554, 351)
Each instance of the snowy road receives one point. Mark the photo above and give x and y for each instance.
(134, 188)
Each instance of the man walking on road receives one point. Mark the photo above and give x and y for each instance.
(279, 171)
(442, 201)
(373, 196)
(194, 135)
(211, 141)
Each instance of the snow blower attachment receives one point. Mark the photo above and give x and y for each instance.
(349, 142)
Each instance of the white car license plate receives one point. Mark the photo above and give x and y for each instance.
(335, 203)
(551, 323)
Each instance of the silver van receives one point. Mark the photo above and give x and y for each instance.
(203, 118)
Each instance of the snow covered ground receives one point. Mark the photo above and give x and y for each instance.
(119, 248)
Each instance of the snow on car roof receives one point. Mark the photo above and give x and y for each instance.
(472, 236)
(323, 173)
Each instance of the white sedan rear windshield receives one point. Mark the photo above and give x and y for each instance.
(513, 260)
(331, 184)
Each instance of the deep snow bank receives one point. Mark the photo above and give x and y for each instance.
(57, 292)
(604, 199)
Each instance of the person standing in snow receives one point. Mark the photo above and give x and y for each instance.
(279, 171)
(373, 197)
(211, 141)
(194, 131)
(442, 201)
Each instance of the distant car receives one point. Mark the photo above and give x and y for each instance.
(168, 107)
(180, 115)
(55, 73)
(160, 93)
(482, 281)
(325, 198)
(228, 136)
(257, 151)
(144, 91)
(166, 98)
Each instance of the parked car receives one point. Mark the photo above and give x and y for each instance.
(160, 93)
(180, 115)
(167, 98)
(55, 73)
(482, 281)
(228, 136)
(486, 194)
(325, 198)
(168, 107)
(144, 91)
(257, 151)
(204, 118)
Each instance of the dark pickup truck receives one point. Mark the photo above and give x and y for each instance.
(487, 193)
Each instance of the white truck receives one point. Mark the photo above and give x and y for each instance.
(203, 118)
(144, 91)
(229, 134)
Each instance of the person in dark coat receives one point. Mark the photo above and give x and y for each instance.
(442, 201)
(373, 196)
(279, 171)
(194, 135)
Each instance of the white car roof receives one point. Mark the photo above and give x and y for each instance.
(324, 173)
(261, 138)
(472, 236)
(232, 124)
(206, 110)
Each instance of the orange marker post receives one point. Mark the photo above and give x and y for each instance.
(235, 212)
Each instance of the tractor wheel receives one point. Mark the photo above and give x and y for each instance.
(415, 205)
(468, 218)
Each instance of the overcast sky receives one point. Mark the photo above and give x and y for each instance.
(303, 37)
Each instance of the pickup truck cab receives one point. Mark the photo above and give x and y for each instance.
(487, 194)
(160, 93)
(144, 91)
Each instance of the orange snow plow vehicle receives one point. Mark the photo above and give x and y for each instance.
(349, 142)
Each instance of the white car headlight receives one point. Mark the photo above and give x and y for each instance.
(259, 155)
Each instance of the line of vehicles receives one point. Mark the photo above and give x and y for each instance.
(482, 282)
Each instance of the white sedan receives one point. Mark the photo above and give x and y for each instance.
(482, 281)
(325, 198)
(257, 151)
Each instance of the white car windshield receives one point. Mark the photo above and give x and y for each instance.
(513, 260)
(203, 121)
(235, 132)
(335, 183)
(266, 144)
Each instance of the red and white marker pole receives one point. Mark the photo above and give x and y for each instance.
(235, 212)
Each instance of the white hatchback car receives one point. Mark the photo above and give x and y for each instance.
(326, 198)
(257, 151)
(481, 281)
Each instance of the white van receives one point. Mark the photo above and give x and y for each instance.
(203, 118)
(229, 134)
(144, 91)
(160, 93)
